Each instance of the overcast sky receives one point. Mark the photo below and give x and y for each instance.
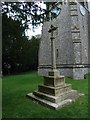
(37, 30)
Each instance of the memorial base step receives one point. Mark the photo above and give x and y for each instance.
(72, 94)
(55, 91)
(50, 104)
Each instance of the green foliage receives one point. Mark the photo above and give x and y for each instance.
(12, 41)
(18, 54)
(17, 105)
(28, 12)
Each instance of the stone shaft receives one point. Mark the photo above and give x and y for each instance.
(53, 54)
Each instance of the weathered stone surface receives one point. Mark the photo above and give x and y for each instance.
(54, 95)
(48, 103)
(77, 53)
(54, 102)
(72, 43)
(54, 72)
(77, 72)
(55, 91)
(71, 94)
(54, 81)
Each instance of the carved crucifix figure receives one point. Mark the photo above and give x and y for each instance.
(53, 54)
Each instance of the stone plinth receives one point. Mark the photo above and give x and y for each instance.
(55, 93)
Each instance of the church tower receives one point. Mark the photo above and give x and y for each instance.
(72, 41)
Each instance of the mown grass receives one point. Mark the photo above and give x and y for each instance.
(17, 105)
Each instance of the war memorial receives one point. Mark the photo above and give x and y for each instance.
(64, 51)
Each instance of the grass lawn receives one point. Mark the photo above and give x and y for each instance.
(17, 105)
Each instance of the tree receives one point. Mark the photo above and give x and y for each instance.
(13, 36)
(19, 53)
(29, 12)
(33, 53)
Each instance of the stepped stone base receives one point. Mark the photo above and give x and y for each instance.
(50, 103)
(55, 93)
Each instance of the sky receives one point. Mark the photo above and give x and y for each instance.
(37, 30)
(34, 32)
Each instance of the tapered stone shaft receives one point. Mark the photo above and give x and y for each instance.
(53, 54)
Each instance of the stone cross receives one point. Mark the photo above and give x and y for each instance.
(53, 54)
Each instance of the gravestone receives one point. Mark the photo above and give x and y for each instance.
(72, 42)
